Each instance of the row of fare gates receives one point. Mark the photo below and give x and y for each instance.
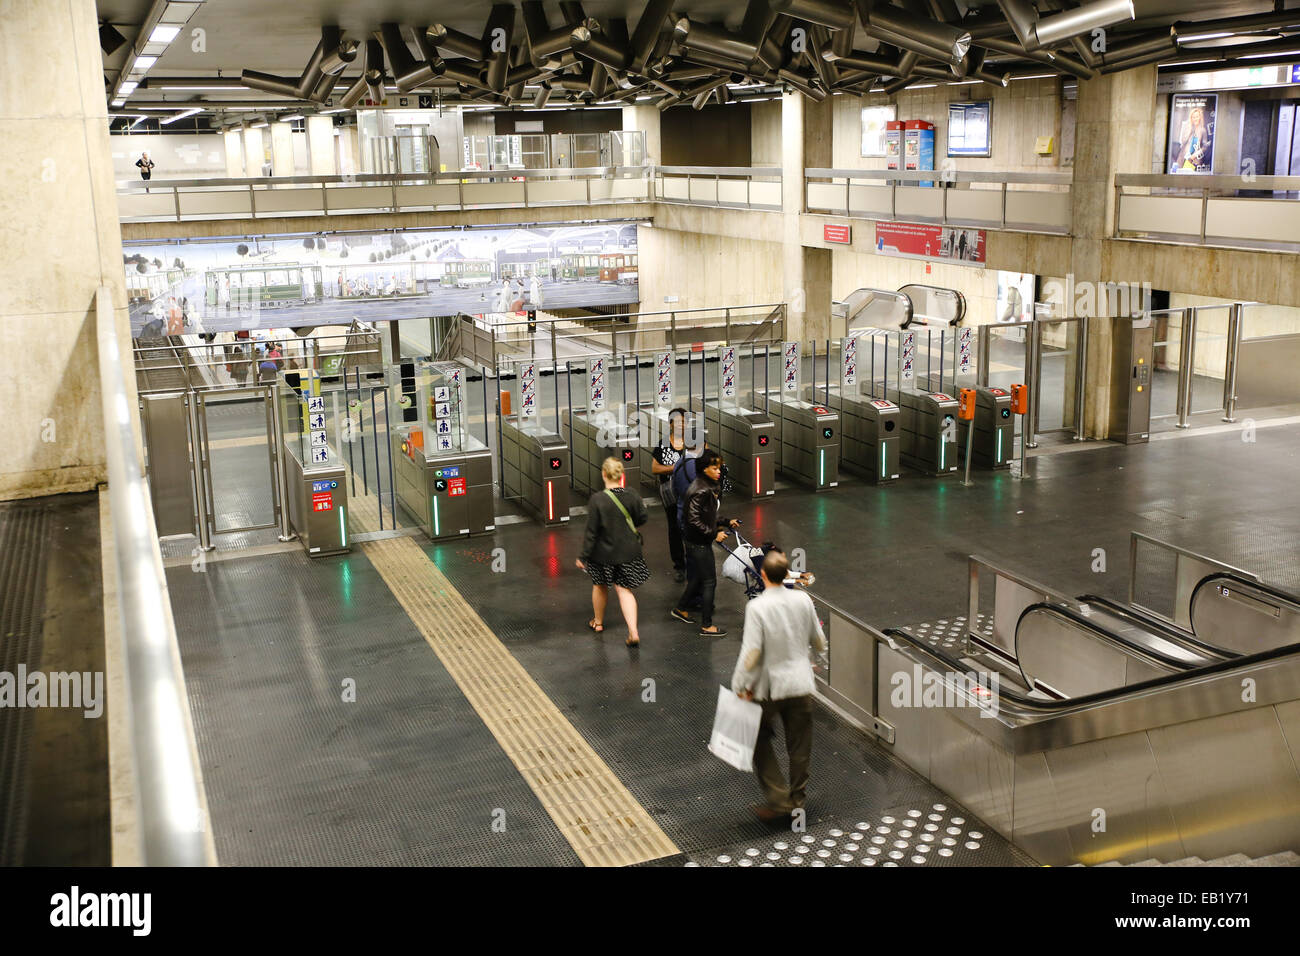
(895, 406)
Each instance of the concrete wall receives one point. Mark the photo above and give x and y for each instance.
(765, 133)
(176, 155)
(1023, 111)
(713, 136)
(704, 271)
(61, 241)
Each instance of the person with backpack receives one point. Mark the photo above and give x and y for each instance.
(701, 527)
(611, 549)
(666, 456)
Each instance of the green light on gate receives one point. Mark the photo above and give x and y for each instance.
(822, 466)
(882, 459)
(998, 459)
(343, 527)
(437, 525)
(943, 447)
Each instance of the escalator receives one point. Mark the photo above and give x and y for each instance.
(1098, 731)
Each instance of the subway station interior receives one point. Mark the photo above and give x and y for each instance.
(353, 307)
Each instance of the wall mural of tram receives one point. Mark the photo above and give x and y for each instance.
(292, 281)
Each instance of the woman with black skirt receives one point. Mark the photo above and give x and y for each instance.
(611, 548)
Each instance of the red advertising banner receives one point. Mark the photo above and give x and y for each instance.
(842, 234)
(915, 240)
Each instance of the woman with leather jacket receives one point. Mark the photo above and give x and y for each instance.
(701, 527)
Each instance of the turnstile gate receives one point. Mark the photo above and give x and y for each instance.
(994, 429)
(929, 426)
(747, 440)
(535, 469)
(870, 437)
(449, 493)
(595, 438)
(810, 440)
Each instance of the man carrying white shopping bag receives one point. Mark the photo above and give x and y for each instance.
(774, 670)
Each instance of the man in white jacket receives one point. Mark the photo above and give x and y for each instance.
(773, 669)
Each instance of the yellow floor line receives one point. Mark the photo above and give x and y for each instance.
(592, 809)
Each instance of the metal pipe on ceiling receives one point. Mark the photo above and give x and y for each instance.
(648, 29)
(802, 84)
(1056, 29)
(910, 32)
(1084, 52)
(771, 49)
(536, 23)
(445, 38)
(256, 80)
(497, 34)
(354, 94)
(554, 42)
(374, 71)
(818, 38)
(894, 86)
(324, 88)
(311, 75)
(600, 49)
(453, 70)
(703, 58)
(702, 36)
(1159, 42)
(703, 97)
(543, 95)
(1237, 25)
(944, 10)
(858, 60)
(407, 73)
(1022, 16)
(977, 68)
(1058, 61)
(339, 53)
(837, 16)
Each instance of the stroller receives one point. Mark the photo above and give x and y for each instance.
(744, 565)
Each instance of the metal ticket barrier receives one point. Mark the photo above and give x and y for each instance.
(443, 475)
(312, 472)
(746, 437)
(870, 432)
(597, 432)
(994, 438)
(929, 426)
(809, 432)
(534, 461)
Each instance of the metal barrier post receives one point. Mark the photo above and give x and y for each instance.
(196, 472)
(1186, 366)
(281, 485)
(985, 336)
(1031, 380)
(1081, 379)
(972, 602)
(1236, 313)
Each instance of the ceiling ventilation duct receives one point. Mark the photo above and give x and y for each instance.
(600, 49)
(339, 53)
(497, 33)
(267, 83)
(648, 29)
(354, 94)
(825, 12)
(702, 36)
(445, 38)
(407, 73)
(374, 71)
(1058, 28)
(926, 37)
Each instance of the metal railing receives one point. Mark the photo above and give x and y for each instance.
(168, 784)
(950, 198)
(1189, 569)
(734, 187)
(277, 197)
(1209, 210)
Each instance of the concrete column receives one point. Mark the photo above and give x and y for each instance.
(234, 142)
(805, 272)
(282, 149)
(1114, 133)
(254, 151)
(61, 241)
(320, 145)
(646, 119)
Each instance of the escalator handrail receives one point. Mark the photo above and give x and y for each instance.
(1053, 708)
(1146, 654)
(1273, 592)
(1167, 630)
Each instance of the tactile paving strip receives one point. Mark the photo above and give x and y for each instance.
(597, 815)
(937, 835)
(949, 634)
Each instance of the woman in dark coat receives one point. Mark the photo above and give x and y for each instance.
(611, 548)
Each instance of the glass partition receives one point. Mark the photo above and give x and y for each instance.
(1058, 375)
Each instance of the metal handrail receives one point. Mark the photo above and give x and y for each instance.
(169, 799)
(1196, 183)
(941, 175)
(1136, 536)
(371, 179)
(746, 171)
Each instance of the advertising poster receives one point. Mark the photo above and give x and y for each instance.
(970, 129)
(874, 119)
(1015, 296)
(1191, 132)
(917, 241)
(292, 281)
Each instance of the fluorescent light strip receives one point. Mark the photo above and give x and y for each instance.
(127, 88)
(181, 115)
(143, 64)
(1034, 76)
(164, 33)
(1204, 36)
(1256, 56)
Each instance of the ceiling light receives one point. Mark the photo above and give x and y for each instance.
(290, 119)
(119, 103)
(922, 86)
(1256, 56)
(1034, 76)
(163, 34)
(143, 64)
(329, 112)
(128, 88)
(181, 115)
(261, 124)
(201, 87)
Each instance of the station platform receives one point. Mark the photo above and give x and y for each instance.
(422, 703)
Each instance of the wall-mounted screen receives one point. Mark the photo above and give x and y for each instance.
(970, 128)
(874, 119)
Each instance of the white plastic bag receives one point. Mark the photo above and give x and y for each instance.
(735, 730)
(738, 561)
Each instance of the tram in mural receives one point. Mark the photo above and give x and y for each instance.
(269, 284)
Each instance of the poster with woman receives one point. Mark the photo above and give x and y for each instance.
(1191, 133)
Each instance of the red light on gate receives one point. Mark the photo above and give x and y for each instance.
(762, 441)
